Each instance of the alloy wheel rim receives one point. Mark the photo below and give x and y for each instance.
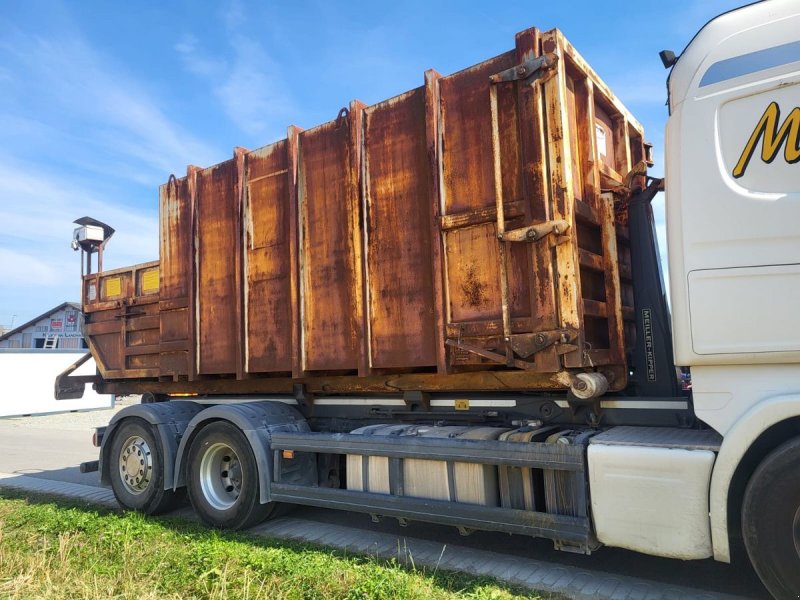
(220, 476)
(135, 465)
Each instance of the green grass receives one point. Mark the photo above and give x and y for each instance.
(58, 549)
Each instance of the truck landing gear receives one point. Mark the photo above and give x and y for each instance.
(137, 469)
(771, 521)
(222, 478)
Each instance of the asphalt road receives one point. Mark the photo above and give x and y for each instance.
(52, 447)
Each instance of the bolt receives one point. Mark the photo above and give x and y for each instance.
(581, 385)
(540, 339)
(531, 234)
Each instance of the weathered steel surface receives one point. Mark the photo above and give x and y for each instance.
(397, 196)
(365, 254)
(217, 243)
(268, 304)
(327, 257)
(176, 219)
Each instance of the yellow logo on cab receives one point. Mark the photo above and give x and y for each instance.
(773, 136)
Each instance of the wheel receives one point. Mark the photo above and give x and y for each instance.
(771, 520)
(137, 469)
(222, 478)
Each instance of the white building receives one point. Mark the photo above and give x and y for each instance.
(59, 327)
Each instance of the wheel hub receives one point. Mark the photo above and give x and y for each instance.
(220, 476)
(135, 465)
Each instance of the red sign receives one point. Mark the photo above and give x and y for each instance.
(56, 323)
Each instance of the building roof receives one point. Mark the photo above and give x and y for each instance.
(33, 321)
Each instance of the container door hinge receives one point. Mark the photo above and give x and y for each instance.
(526, 344)
(528, 71)
(533, 233)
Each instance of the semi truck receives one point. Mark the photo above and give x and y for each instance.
(448, 307)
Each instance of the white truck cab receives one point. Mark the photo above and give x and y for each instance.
(733, 229)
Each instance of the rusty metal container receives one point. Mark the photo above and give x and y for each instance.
(459, 236)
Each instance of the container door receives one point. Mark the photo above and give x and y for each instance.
(474, 258)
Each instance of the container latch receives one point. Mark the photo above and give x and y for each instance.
(526, 344)
(528, 71)
(533, 233)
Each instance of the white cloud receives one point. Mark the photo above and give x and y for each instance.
(37, 210)
(253, 94)
(195, 61)
(22, 269)
(76, 85)
(248, 84)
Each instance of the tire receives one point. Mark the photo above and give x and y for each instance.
(771, 520)
(137, 469)
(222, 478)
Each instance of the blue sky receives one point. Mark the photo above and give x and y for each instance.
(101, 101)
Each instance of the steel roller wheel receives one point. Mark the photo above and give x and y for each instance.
(771, 520)
(222, 478)
(137, 469)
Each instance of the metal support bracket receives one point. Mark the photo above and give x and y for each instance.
(416, 400)
(304, 398)
(528, 71)
(494, 356)
(533, 233)
(526, 344)
(71, 387)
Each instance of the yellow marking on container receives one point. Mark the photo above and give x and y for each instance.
(462, 404)
(113, 286)
(150, 281)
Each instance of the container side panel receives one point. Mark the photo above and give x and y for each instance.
(268, 303)
(400, 279)
(175, 204)
(176, 239)
(217, 294)
(329, 339)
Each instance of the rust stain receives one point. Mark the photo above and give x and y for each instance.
(473, 288)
